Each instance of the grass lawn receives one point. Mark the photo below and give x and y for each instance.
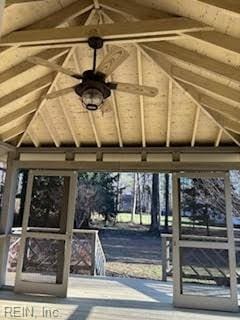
(146, 218)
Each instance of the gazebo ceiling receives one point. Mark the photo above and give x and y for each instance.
(188, 49)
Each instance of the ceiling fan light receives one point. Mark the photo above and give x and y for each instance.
(92, 99)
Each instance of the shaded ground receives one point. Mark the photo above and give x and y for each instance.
(131, 251)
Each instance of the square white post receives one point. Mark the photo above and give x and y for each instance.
(7, 215)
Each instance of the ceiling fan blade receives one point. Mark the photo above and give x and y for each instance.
(136, 89)
(112, 60)
(59, 93)
(53, 66)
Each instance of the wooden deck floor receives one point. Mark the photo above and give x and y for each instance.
(105, 299)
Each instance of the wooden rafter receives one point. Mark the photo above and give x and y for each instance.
(219, 137)
(167, 68)
(20, 113)
(222, 91)
(43, 102)
(228, 111)
(96, 4)
(217, 39)
(195, 125)
(232, 6)
(33, 137)
(11, 2)
(76, 62)
(46, 118)
(197, 60)
(130, 10)
(118, 32)
(64, 15)
(140, 81)
(113, 95)
(69, 120)
(90, 115)
(229, 124)
(2, 4)
(221, 107)
(50, 54)
(169, 112)
(217, 109)
(14, 132)
(34, 86)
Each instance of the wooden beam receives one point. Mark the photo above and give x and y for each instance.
(14, 132)
(216, 88)
(232, 6)
(11, 2)
(2, 4)
(134, 150)
(34, 86)
(225, 109)
(229, 124)
(140, 81)
(217, 39)
(90, 114)
(118, 31)
(144, 166)
(69, 121)
(169, 112)
(94, 129)
(167, 69)
(130, 9)
(113, 95)
(221, 107)
(19, 113)
(64, 15)
(96, 4)
(33, 137)
(46, 118)
(171, 50)
(219, 137)
(43, 102)
(201, 82)
(50, 54)
(195, 126)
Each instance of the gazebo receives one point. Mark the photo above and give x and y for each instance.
(188, 50)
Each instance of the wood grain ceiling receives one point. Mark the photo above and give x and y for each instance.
(189, 51)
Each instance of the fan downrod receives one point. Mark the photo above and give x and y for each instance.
(95, 43)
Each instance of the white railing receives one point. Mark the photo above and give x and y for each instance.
(166, 244)
(87, 253)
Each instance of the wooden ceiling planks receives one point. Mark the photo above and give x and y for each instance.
(172, 118)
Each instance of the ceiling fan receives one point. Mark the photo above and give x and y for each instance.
(93, 88)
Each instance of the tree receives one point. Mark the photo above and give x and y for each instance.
(47, 201)
(96, 193)
(204, 202)
(155, 205)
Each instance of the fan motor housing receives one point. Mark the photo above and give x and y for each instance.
(92, 80)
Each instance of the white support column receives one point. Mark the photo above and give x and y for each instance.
(7, 215)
